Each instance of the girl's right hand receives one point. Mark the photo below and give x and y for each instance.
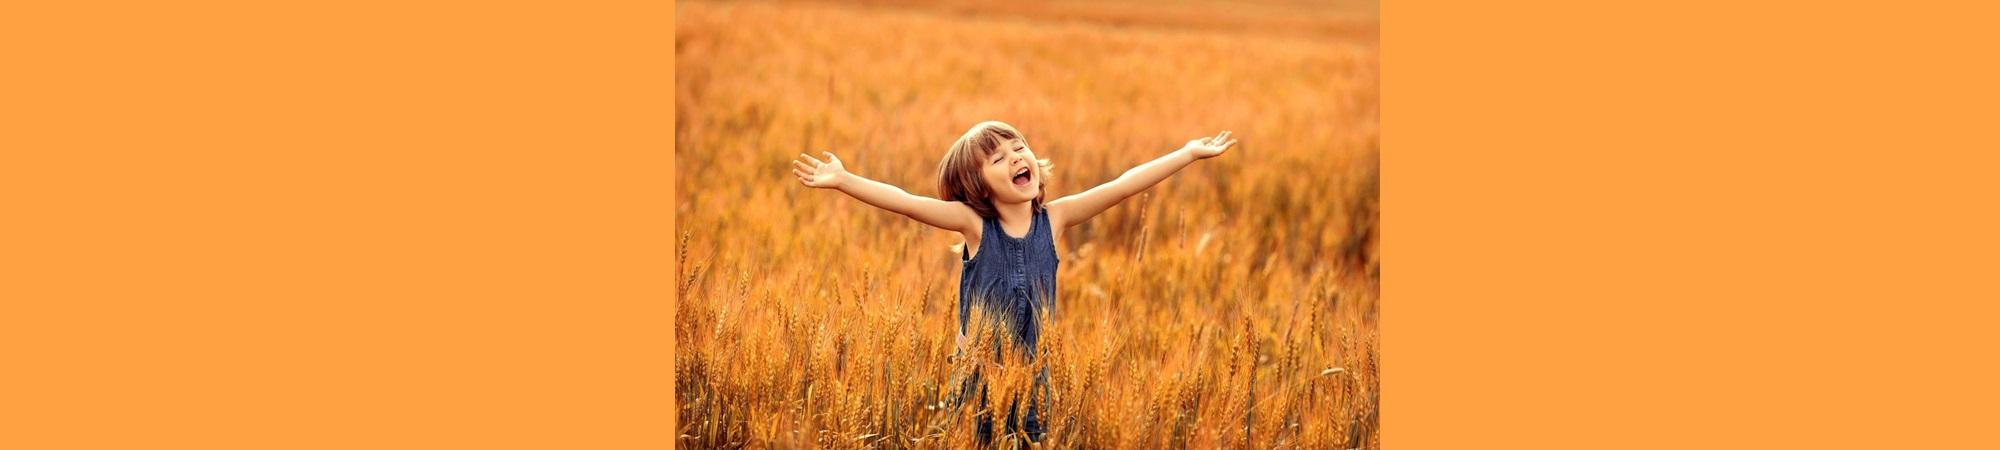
(819, 174)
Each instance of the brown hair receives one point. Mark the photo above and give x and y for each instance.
(959, 177)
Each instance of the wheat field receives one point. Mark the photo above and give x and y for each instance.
(1232, 306)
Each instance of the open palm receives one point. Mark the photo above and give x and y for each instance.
(1210, 147)
(819, 174)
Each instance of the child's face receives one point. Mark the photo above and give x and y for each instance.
(1010, 173)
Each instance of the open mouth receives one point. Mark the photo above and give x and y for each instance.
(1021, 178)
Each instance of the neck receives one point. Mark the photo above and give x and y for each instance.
(1015, 212)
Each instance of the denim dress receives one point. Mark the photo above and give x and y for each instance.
(1014, 281)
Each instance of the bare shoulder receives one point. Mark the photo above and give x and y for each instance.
(1058, 211)
(967, 219)
(972, 234)
(1058, 220)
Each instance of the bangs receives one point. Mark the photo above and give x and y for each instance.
(987, 137)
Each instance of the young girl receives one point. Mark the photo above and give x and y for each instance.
(990, 188)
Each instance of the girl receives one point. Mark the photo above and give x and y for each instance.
(990, 188)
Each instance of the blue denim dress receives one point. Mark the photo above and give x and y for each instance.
(1014, 281)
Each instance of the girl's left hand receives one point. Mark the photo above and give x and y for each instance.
(1209, 147)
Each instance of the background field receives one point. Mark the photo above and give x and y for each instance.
(1233, 305)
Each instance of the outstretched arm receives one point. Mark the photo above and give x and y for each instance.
(831, 174)
(1080, 207)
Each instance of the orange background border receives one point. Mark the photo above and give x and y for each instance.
(338, 225)
(1688, 225)
(236, 225)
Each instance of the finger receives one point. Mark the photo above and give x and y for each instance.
(831, 158)
(1228, 143)
(815, 161)
(801, 174)
(798, 166)
(1222, 137)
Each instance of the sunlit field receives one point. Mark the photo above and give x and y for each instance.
(1232, 306)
